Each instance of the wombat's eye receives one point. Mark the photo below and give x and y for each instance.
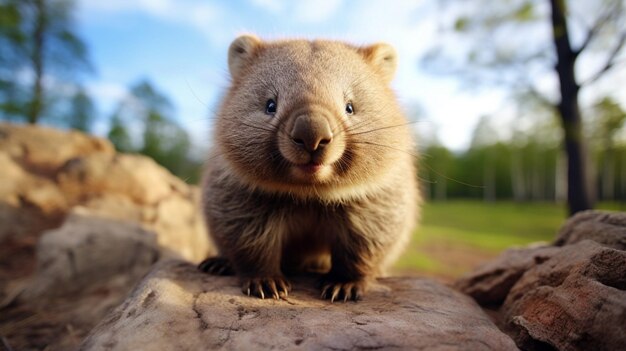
(270, 107)
(349, 108)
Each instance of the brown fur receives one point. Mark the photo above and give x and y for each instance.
(267, 216)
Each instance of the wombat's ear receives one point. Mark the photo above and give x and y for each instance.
(240, 53)
(383, 58)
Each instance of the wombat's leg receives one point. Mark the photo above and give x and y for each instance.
(217, 266)
(260, 273)
(255, 254)
(351, 268)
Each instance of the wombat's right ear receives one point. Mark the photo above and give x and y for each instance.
(383, 58)
(240, 53)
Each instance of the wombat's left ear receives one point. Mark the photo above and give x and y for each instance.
(383, 58)
(241, 52)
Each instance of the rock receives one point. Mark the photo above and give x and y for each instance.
(50, 172)
(490, 283)
(88, 250)
(97, 220)
(573, 301)
(570, 296)
(606, 228)
(42, 150)
(176, 307)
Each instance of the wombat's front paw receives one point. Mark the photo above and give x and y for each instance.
(266, 286)
(334, 290)
(216, 266)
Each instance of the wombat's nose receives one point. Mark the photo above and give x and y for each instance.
(311, 132)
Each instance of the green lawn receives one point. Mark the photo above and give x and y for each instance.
(455, 236)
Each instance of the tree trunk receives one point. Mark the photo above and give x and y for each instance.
(607, 186)
(36, 104)
(560, 188)
(577, 186)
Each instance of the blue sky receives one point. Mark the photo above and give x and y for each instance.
(180, 46)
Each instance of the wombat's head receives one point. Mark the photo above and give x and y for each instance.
(311, 118)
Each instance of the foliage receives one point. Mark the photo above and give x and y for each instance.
(529, 165)
(39, 51)
(148, 113)
(119, 136)
(81, 112)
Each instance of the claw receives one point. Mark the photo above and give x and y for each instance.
(262, 287)
(284, 287)
(336, 291)
(326, 287)
(272, 287)
(357, 294)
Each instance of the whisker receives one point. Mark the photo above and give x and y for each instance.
(385, 127)
(451, 179)
(386, 146)
(256, 127)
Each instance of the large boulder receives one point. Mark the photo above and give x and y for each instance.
(568, 296)
(47, 173)
(89, 250)
(176, 307)
(573, 301)
(81, 225)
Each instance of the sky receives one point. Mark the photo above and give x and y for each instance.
(180, 46)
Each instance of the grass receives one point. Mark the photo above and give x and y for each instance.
(456, 236)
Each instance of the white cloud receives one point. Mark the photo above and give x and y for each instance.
(273, 6)
(107, 92)
(316, 11)
(196, 12)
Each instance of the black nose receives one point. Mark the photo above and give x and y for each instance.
(311, 132)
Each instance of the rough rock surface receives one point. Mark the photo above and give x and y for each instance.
(490, 283)
(46, 173)
(566, 297)
(178, 308)
(573, 301)
(606, 228)
(114, 214)
(87, 250)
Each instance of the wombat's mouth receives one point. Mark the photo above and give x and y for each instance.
(311, 172)
(311, 167)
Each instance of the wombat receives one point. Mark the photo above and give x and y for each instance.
(312, 167)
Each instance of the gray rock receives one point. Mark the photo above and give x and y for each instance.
(87, 250)
(490, 283)
(606, 228)
(177, 307)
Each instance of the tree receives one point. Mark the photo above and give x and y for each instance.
(38, 42)
(507, 49)
(610, 118)
(81, 111)
(484, 136)
(119, 136)
(148, 113)
(435, 168)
